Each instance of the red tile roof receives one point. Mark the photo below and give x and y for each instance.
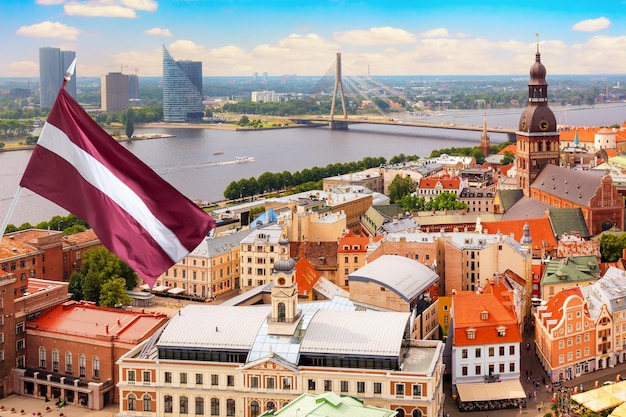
(511, 148)
(446, 182)
(352, 240)
(540, 230)
(585, 134)
(89, 321)
(468, 308)
(554, 306)
(306, 276)
(79, 238)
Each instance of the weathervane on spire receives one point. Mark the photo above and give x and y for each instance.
(537, 35)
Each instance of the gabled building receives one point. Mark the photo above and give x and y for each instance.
(431, 187)
(351, 253)
(485, 340)
(565, 337)
(574, 271)
(258, 253)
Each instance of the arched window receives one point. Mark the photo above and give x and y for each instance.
(96, 367)
(270, 405)
(132, 402)
(215, 406)
(416, 413)
(42, 357)
(147, 402)
(168, 403)
(281, 312)
(82, 365)
(55, 360)
(400, 412)
(230, 407)
(254, 409)
(68, 362)
(199, 406)
(184, 405)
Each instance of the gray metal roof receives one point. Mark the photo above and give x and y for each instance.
(215, 246)
(208, 327)
(406, 277)
(568, 184)
(365, 333)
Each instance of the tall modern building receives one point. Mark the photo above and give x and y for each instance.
(53, 63)
(133, 87)
(182, 90)
(114, 91)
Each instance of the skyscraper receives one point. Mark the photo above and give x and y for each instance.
(114, 91)
(52, 66)
(182, 89)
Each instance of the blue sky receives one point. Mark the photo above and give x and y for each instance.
(392, 37)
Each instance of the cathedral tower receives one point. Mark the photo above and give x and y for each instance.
(285, 314)
(485, 143)
(537, 137)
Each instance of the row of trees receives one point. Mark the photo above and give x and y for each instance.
(15, 127)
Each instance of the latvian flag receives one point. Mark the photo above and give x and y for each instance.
(135, 213)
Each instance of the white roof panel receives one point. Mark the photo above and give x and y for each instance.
(370, 333)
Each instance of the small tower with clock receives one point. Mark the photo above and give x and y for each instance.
(285, 315)
(537, 137)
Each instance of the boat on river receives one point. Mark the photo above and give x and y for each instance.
(244, 159)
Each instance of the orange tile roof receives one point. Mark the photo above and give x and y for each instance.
(468, 308)
(30, 236)
(87, 236)
(611, 152)
(511, 148)
(540, 230)
(351, 239)
(446, 182)
(12, 248)
(306, 276)
(585, 134)
(555, 304)
(89, 321)
(504, 169)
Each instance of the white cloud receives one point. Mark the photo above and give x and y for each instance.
(49, 29)
(145, 5)
(98, 9)
(592, 25)
(24, 67)
(158, 32)
(375, 36)
(436, 33)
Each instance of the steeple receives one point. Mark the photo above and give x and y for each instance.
(485, 144)
(285, 315)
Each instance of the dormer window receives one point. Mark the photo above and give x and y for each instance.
(484, 315)
(501, 331)
(471, 334)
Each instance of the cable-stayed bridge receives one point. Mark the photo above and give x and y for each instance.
(365, 89)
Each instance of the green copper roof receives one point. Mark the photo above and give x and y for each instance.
(328, 405)
(568, 220)
(574, 269)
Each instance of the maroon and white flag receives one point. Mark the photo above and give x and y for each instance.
(136, 214)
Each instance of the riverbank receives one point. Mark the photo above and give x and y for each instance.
(215, 126)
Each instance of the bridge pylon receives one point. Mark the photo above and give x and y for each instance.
(338, 124)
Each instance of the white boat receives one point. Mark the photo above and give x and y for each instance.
(244, 159)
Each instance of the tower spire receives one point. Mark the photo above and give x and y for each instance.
(537, 35)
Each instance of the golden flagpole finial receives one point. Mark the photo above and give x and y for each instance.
(537, 35)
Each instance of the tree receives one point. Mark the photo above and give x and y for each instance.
(130, 123)
(99, 266)
(611, 247)
(446, 201)
(114, 293)
(244, 121)
(400, 187)
(508, 158)
(412, 203)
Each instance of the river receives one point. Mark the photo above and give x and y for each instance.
(188, 162)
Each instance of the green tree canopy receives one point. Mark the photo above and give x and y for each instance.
(99, 266)
(400, 187)
(508, 158)
(446, 201)
(612, 246)
(114, 293)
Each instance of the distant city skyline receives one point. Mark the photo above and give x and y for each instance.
(241, 37)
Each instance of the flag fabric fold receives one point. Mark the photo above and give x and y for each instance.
(135, 213)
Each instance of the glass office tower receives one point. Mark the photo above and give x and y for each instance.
(52, 66)
(182, 90)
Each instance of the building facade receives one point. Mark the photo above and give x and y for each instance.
(114, 91)
(53, 62)
(182, 96)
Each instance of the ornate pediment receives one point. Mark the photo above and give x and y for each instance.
(271, 363)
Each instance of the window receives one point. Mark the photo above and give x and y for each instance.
(147, 403)
(230, 407)
(130, 375)
(471, 334)
(378, 388)
(512, 367)
(184, 404)
(230, 380)
(82, 365)
(344, 386)
(464, 371)
(501, 350)
(512, 350)
(199, 405)
(215, 406)
(42, 357)
(501, 331)
(20, 344)
(254, 382)
(132, 402)
(198, 379)
(254, 408)
(183, 377)
(478, 370)
(491, 352)
(328, 385)
(464, 353)
(417, 390)
(55, 360)
(215, 379)
(360, 386)
(168, 403)
(399, 390)
(146, 376)
(478, 352)
(270, 382)
(501, 368)
(287, 383)
(68, 362)
(168, 377)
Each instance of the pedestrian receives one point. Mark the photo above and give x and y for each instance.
(541, 407)
(520, 408)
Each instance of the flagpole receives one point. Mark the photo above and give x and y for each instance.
(11, 210)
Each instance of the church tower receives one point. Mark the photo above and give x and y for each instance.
(285, 315)
(485, 143)
(537, 137)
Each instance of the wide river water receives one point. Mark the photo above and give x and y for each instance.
(188, 162)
